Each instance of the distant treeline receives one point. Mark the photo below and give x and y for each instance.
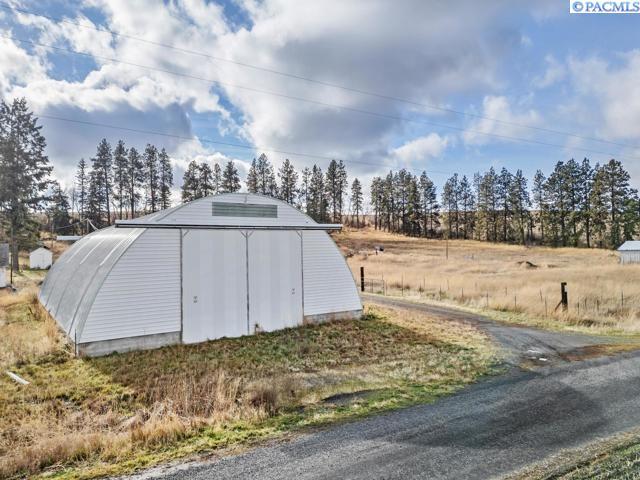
(320, 195)
(576, 205)
(122, 183)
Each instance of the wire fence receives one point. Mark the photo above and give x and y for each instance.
(545, 302)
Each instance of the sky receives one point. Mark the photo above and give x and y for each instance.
(442, 86)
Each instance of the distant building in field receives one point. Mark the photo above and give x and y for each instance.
(40, 259)
(630, 252)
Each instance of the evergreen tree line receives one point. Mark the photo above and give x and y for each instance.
(577, 204)
(320, 195)
(122, 183)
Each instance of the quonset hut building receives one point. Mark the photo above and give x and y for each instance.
(221, 266)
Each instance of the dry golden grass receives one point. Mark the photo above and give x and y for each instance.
(27, 330)
(106, 416)
(603, 295)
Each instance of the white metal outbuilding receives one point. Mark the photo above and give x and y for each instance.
(40, 259)
(630, 252)
(221, 266)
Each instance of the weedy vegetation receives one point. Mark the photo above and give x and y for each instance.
(507, 282)
(82, 418)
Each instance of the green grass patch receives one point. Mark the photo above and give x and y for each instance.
(82, 418)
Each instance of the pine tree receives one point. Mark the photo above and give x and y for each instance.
(616, 183)
(252, 178)
(502, 191)
(230, 178)
(540, 201)
(356, 200)
(216, 179)
(165, 180)
(82, 190)
(376, 201)
(585, 184)
(450, 202)
(288, 188)
(519, 202)
(430, 207)
(303, 194)
(487, 195)
(336, 184)
(135, 180)
(599, 211)
(151, 177)
(205, 181)
(120, 177)
(58, 210)
(191, 182)
(414, 206)
(467, 203)
(317, 202)
(95, 199)
(556, 194)
(102, 164)
(571, 185)
(24, 173)
(265, 177)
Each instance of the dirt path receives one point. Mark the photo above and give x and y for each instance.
(489, 430)
(529, 345)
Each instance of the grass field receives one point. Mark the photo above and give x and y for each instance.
(81, 418)
(513, 282)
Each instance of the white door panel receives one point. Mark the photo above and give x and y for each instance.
(275, 280)
(214, 285)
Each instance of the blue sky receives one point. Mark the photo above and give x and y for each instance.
(514, 69)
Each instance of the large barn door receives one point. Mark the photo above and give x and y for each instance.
(214, 285)
(275, 280)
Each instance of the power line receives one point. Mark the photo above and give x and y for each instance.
(315, 102)
(226, 144)
(312, 80)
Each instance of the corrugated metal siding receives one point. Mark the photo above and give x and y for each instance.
(199, 212)
(141, 294)
(328, 284)
(629, 257)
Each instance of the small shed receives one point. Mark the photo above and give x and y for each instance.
(223, 266)
(4, 262)
(630, 252)
(40, 259)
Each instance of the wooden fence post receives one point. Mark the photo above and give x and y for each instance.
(362, 279)
(564, 296)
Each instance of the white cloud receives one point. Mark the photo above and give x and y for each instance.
(421, 149)
(499, 120)
(613, 90)
(375, 46)
(554, 73)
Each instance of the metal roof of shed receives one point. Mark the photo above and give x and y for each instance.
(230, 211)
(629, 245)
